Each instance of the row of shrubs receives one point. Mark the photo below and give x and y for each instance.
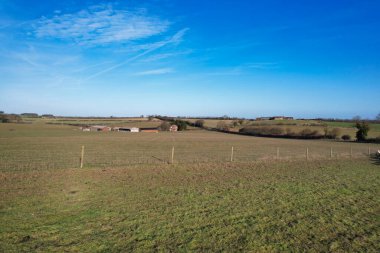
(306, 133)
(10, 118)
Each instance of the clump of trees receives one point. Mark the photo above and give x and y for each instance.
(182, 125)
(199, 123)
(222, 126)
(235, 123)
(238, 122)
(10, 118)
(30, 115)
(334, 133)
(165, 126)
(308, 133)
(363, 129)
(273, 131)
(264, 131)
(346, 137)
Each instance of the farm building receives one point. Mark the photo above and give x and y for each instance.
(281, 118)
(100, 128)
(263, 118)
(85, 129)
(275, 118)
(149, 130)
(129, 129)
(135, 130)
(48, 116)
(173, 128)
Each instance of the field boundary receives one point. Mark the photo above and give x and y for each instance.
(87, 157)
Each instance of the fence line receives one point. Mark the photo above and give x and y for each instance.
(91, 157)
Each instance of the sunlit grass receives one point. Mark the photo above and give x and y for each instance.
(262, 206)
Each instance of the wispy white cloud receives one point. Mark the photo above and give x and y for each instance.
(158, 57)
(100, 24)
(244, 69)
(155, 72)
(175, 39)
(261, 65)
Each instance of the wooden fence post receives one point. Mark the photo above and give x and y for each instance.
(331, 152)
(82, 157)
(278, 152)
(369, 151)
(307, 153)
(172, 158)
(232, 154)
(351, 152)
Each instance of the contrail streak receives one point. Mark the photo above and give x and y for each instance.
(176, 38)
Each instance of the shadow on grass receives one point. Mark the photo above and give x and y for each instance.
(375, 158)
(159, 159)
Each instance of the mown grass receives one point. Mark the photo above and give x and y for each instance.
(318, 206)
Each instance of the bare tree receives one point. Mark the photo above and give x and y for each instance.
(199, 123)
(222, 126)
(235, 123)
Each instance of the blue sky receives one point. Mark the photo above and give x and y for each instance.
(192, 58)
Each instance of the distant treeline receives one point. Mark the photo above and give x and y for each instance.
(273, 131)
(306, 133)
(225, 117)
(345, 120)
(10, 118)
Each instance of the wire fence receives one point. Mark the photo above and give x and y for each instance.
(88, 156)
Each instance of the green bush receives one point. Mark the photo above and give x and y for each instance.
(182, 125)
(165, 126)
(346, 137)
(363, 128)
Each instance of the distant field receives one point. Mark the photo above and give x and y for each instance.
(298, 125)
(292, 206)
(41, 146)
(373, 127)
(121, 122)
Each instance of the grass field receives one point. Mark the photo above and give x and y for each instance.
(295, 206)
(120, 122)
(41, 146)
(128, 198)
(373, 127)
(346, 128)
